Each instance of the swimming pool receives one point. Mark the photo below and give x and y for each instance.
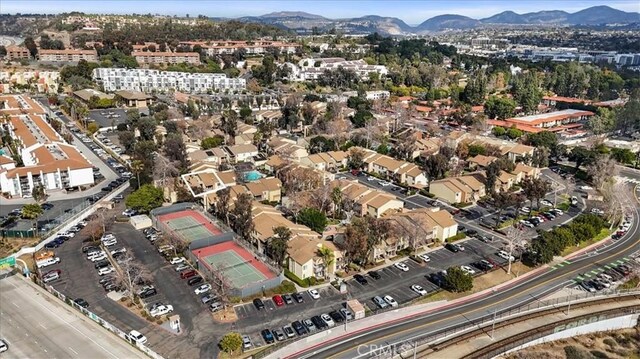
(252, 176)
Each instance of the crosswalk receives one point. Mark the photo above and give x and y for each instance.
(629, 180)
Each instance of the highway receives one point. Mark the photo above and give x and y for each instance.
(36, 325)
(369, 342)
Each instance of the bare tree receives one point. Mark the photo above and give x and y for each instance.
(601, 170)
(220, 283)
(164, 168)
(514, 241)
(133, 274)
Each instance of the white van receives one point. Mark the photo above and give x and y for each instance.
(47, 262)
(50, 277)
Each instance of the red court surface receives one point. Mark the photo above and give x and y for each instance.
(196, 216)
(202, 253)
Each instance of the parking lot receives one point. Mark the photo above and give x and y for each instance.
(108, 117)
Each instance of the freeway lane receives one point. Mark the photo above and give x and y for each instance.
(529, 290)
(36, 325)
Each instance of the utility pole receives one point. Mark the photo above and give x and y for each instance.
(493, 325)
(415, 349)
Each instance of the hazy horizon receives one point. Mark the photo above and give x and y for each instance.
(411, 12)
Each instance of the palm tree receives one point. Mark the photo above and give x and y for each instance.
(327, 257)
(137, 167)
(336, 197)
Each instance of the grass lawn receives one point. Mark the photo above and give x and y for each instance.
(481, 283)
(604, 233)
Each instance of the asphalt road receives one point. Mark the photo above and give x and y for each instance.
(37, 326)
(521, 293)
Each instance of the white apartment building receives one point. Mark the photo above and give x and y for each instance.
(47, 159)
(67, 55)
(113, 79)
(312, 69)
(147, 57)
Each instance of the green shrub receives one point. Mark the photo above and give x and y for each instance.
(610, 342)
(599, 354)
(457, 237)
(297, 280)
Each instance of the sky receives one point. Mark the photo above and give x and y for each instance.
(412, 12)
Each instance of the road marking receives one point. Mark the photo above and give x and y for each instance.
(566, 262)
(43, 327)
(14, 303)
(560, 265)
(75, 352)
(587, 275)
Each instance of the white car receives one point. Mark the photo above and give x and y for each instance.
(119, 250)
(586, 188)
(314, 293)
(505, 255)
(403, 267)
(526, 223)
(346, 313)
(107, 236)
(203, 289)
(182, 267)
(558, 211)
(105, 270)
(246, 342)
(110, 242)
(389, 299)
(597, 211)
(327, 319)
(371, 178)
(137, 337)
(385, 184)
(468, 270)
(525, 209)
(418, 289)
(545, 202)
(425, 257)
(161, 310)
(67, 234)
(98, 257)
(177, 260)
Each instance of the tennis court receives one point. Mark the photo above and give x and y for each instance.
(236, 264)
(191, 225)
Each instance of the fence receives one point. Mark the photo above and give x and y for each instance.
(110, 327)
(560, 303)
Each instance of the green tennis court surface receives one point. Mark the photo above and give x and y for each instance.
(189, 228)
(238, 270)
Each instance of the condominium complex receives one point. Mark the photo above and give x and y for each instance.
(47, 160)
(67, 55)
(114, 79)
(17, 53)
(312, 69)
(147, 57)
(250, 47)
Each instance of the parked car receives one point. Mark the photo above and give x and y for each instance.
(403, 267)
(246, 342)
(177, 260)
(468, 270)
(208, 298)
(308, 323)
(298, 297)
(195, 280)
(258, 303)
(336, 316)
(202, 289)
(418, 289)
(287, 298)
(425, 257)
(137, 337)
(299, 328)
(319, 323)
(380, 302)
(375, 275)
(277, 300)
(81, 302)
(389, 299)
(360, 279)
(267, 336)
(346, 313)
(278, 334)
(314, 293)
(147, 291)
(327, 319)
(505, 255)
(161, 310)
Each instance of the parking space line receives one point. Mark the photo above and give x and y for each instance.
(588, 275)
(566, 262)
(580, 278)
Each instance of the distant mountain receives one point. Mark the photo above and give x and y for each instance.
(602, 15)
(303, 22)
(443, 22)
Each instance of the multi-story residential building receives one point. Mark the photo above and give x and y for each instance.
(113, 79)
(46, 159)
(402, 172)
(312, 69)
(366, 200)
(17, 53)
(257, 47)
(464, 189)
(555, 121)
(39, 81)
(71, 56)
(147, 57)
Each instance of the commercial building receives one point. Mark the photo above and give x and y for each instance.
(47, 160)
(147, 57)
(72, 56)
(149, 81)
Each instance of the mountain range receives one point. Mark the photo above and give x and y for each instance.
(305, 22)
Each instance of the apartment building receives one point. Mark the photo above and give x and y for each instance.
(71, 55)
(17, 53)
(464, 189)
(149, 81)
(312, 69)
(39, 81)
(402, 172)
(257, 47)
(364, 200)
(47, 159)
(147, 57)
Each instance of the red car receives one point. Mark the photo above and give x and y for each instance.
(278, 300)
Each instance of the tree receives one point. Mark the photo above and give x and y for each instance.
(127, 141)
(211, 142)
(336, 198)
(278, 244)
(502, 201)
(231, 343)
(321, 144)
(145, 198)
(356, 158)
(327, 257)
(526, 91)
(137, 167)
(309, 113)
(600, 170)
(543, 139)
(133, 273)
(475, 90)
(31, 211)
(355, 242)
(491, 175)
(38, 193)
(176, 150)
(535, 189)
(241, 217)
(456, 280)
(222, 204)
(245, 112)
(313, 218)
(436, 166)
(603, 122)
(147, 128)
(229, 123)
(580, 155)
(627, 117)
(623, 155)
(499, 107)
(31, 46)
(133, 116)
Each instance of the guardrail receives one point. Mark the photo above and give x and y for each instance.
(560, 304)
